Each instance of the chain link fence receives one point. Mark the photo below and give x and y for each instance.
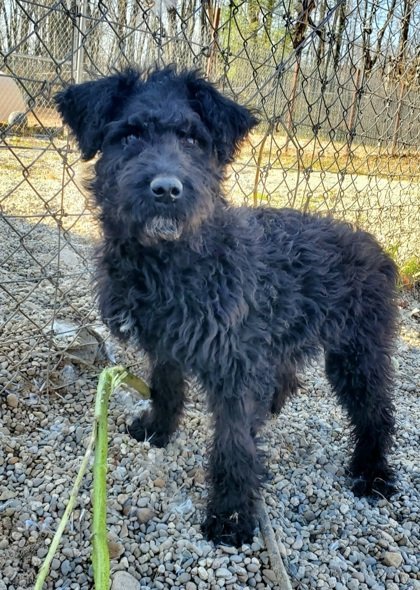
(337, 86)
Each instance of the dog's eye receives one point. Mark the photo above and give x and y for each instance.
(189, 141)
(131, 139)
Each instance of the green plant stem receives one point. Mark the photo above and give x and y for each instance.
(45, 568)
(100, 553)
(109, 380)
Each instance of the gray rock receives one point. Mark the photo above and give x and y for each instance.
(392, 558)
(115, 547)
(145, 514)
(202, 572)
(124, 581)
(66, 567)
(12, 400)
(223, 572)
(309, 515)
(269, 574)
(183, 578)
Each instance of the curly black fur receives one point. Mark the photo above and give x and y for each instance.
(238, 297)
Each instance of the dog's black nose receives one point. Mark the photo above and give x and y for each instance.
(166, 188)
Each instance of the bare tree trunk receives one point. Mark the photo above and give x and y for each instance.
(6, 25)
(397, 120)
(400, 67)
(321, 42)
(370, 53)
(93, 34)
(24, 32)
(340, 33)
(132, 34)
(211, 60)
(298, 33)
(292, 102)
(253, 9)
(405, 26)
(354, 109)
(172, 33)
(269, 7)
(118, 47)
(15, 17)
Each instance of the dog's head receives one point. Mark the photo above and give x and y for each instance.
(164, 143)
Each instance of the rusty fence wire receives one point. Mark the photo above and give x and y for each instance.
(337, 86)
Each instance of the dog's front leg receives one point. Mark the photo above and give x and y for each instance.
(167, 393)
(235, 474)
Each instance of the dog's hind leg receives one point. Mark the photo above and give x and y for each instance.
(167, 394)
(361, 376)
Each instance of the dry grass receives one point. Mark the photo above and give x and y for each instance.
(44, 182)
(333, 157)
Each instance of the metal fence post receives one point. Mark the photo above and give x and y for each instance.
(80, 42)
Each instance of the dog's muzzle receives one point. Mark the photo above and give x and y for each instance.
(162, 228)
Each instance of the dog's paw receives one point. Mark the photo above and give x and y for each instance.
(229, 530)
(378, 485)
(143, 430)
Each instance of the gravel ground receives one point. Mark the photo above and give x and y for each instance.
(329, 538)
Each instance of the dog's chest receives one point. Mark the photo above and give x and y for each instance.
(181, 306)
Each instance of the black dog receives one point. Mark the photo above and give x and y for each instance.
(238, 297)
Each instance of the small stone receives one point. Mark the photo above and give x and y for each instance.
(190, 586)
(12, 400)
(7, 495)
(66, 567)
(387, 537)
(223, 572)
(309, 515)
(67, 551)
(202, 572)
(336, 564)
(392, 558)
(270, 575)
(115, 547)
(159, 482)
(344, 508)
(145, 514)
(183, 578)
(127, 506)
(228, 549)
(124, 581)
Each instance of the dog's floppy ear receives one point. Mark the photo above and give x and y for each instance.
(227, 121)
(86, 108)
